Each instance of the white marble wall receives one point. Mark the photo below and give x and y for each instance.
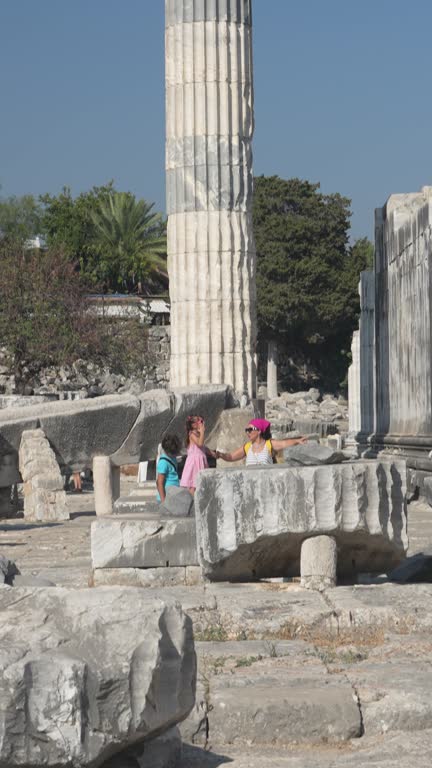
(211, 251)
(403, 276)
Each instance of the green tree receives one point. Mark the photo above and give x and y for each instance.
(306, 288)
(67, 225)
(20, 218)
(43, 310)
(362, 254)
(131, 237)
(117, 240)
(45, 317)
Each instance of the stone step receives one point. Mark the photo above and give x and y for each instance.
(295, 692)
(395, 750)
(120, 541)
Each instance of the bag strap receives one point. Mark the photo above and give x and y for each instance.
(165, 458)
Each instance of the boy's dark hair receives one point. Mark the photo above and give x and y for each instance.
(171, 444)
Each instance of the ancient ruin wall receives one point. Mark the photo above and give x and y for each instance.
(211, 252)
(403, 323)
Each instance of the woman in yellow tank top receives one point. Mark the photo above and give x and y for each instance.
(260, 448)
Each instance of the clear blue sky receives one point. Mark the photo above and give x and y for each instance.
(341, 96)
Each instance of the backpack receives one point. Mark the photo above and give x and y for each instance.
(248, 446)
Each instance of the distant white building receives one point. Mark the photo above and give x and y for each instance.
(150, 310)
(38, 242)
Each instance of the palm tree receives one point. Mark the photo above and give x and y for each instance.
(132, 239)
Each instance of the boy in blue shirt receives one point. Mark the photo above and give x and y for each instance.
(167, 470)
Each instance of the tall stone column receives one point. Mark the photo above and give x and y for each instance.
(211, 252)
(354, 409)
(367, 352)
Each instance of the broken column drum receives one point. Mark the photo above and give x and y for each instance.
(251, 522)
(211, 251)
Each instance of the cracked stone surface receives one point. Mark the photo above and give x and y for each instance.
(86, 674)
(251, 521)
(266, 648)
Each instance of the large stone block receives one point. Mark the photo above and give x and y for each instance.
(178, 503)
(206, 401)
(78, 430)
(156, 412)
(312, 454)
(86, 674)
(124, 427)
(295, 713)
(229, 431)
(137, 504)
(44, 497)
(171, 576)
(251, 522)
(119, 542)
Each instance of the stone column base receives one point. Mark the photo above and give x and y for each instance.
(106, 480)
(318, 563)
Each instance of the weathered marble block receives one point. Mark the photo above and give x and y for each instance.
(87, 674)
(44, 497)
(139, 542)
(251, 521)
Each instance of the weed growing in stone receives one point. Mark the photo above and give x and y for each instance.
(247, 661)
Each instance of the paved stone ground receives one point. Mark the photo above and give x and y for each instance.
(351, 666)
(61, 551)
(400, 750)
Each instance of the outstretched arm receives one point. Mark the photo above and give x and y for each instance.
(236, 455)
(279, 445)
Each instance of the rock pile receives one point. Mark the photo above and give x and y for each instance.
(308, 412)
(86, 379)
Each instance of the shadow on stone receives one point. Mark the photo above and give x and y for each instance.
(415, 569)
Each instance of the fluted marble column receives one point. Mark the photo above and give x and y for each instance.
(211, 252)
(367, 352)
(354, 407)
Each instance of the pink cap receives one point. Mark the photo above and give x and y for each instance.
(261, 424)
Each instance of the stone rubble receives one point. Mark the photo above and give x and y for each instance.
(83, 378)
(307, 412)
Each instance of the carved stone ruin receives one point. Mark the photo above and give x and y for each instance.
(211, 251)
(252, 522)
(391, 386)
(108, 671)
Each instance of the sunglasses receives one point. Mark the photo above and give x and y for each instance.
(251, 429)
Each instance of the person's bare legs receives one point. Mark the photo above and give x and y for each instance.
(76, 477)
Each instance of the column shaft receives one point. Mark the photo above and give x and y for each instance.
(211, 252)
